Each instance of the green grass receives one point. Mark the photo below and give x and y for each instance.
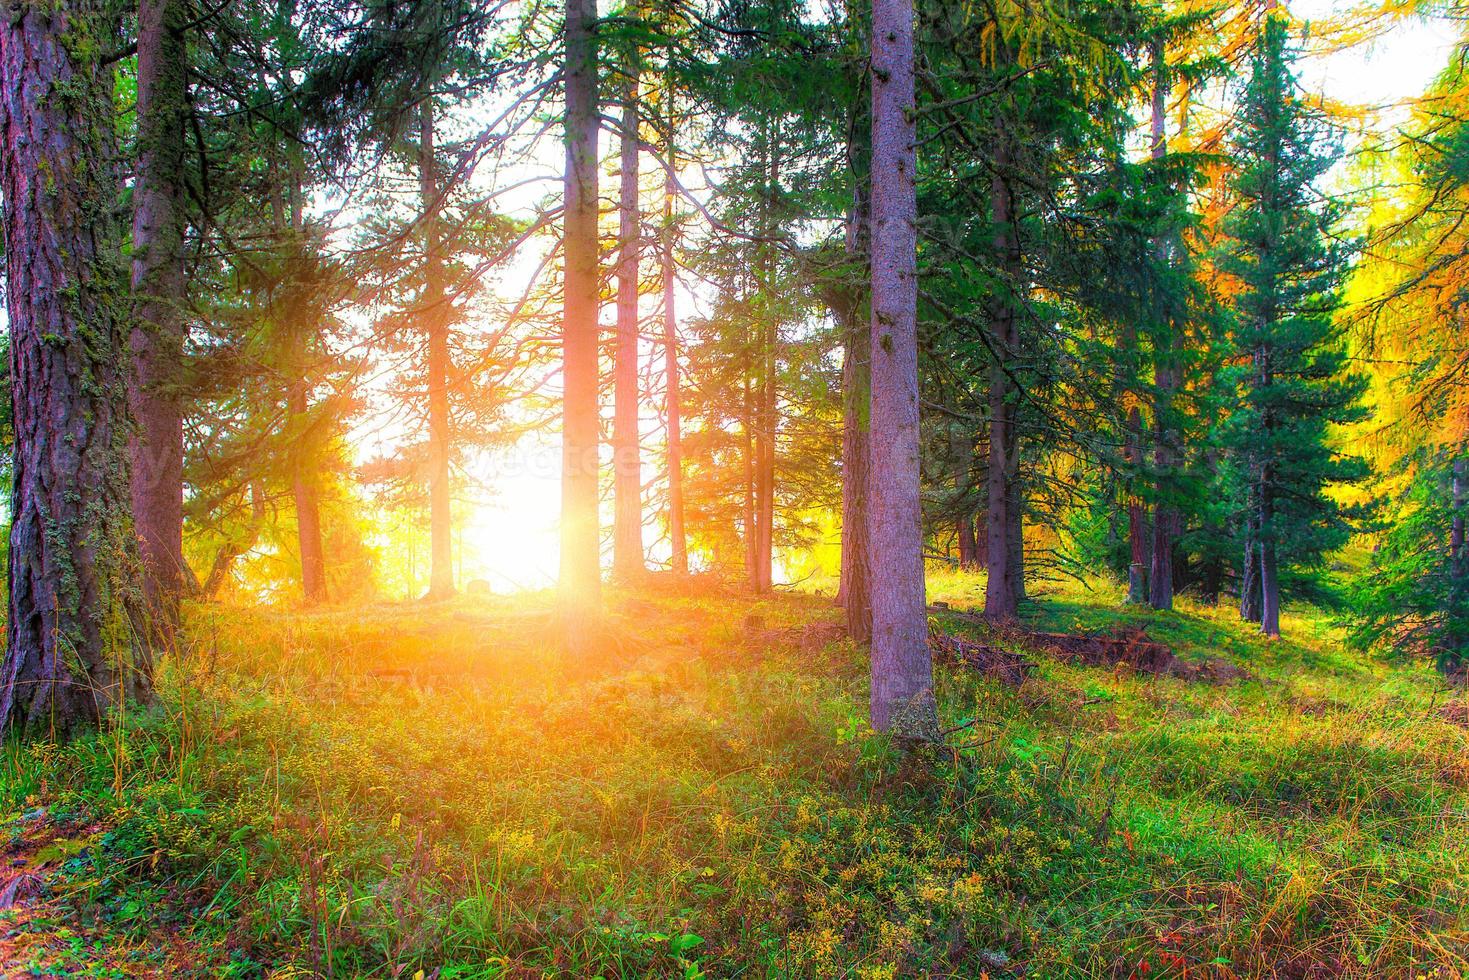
(373, 792)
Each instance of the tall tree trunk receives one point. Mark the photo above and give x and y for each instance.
(1166, 517)
(305, 494)
(1002, 519)
(580, 532)
(854, 586)
(751, 491)
(1137, 515)
(1249, 588)
(627, 469)
(1458, 491)
(435, 311)
(1458, 632)
(1265, 501)
(961, 456)
(304, 463)
(157, 343)
(70, 653)
(677, 537)
(1269, 570)
(765, 460)
(765, 393)
(902, 667)
(968, 543)
(1015, 529)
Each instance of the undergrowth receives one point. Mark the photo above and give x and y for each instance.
(375, 792)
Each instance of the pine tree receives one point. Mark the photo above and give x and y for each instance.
(1290, 368)
(581, 579)
(1414, 595)
(155, 387)
(902, 667)
(70, 655)
(628, 563)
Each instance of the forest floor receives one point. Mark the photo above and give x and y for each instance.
(435, 791)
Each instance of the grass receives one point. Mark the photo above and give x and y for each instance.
(374, 792)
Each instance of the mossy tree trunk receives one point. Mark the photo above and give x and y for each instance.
(71, 653)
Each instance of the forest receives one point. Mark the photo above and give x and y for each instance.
(735, 488)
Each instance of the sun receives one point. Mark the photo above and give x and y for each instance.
(510, 540)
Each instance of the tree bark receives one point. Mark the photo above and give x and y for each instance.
(435, 312)
(1165, 527)
(854, 588)
(1166, 518)
(677, 536)
(580, 532)
(303, 462)
(765, 391)
(968, 544)
(1015, 529)
(1002, 519)
(158, 333)
(902, 666)
(71, 652)
(1137, 515)
(752, 531)
(1249, 590)
(627, 470)
(1265, 498)
(1458, 632)
(306, 497)
(1269, 571)
(1459, 490)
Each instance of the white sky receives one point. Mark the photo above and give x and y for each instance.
(511, 541)
(1393, 69)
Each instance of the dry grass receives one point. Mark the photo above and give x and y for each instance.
(371, 792)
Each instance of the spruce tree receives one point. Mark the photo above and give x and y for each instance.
(1288, 360)
(1413, 597)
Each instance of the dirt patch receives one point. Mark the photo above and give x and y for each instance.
(1134, 649)
(1455, 713)
(1003, 665)
(1129, 648)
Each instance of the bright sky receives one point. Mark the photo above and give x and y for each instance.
(510, 540)
(1393, 69)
